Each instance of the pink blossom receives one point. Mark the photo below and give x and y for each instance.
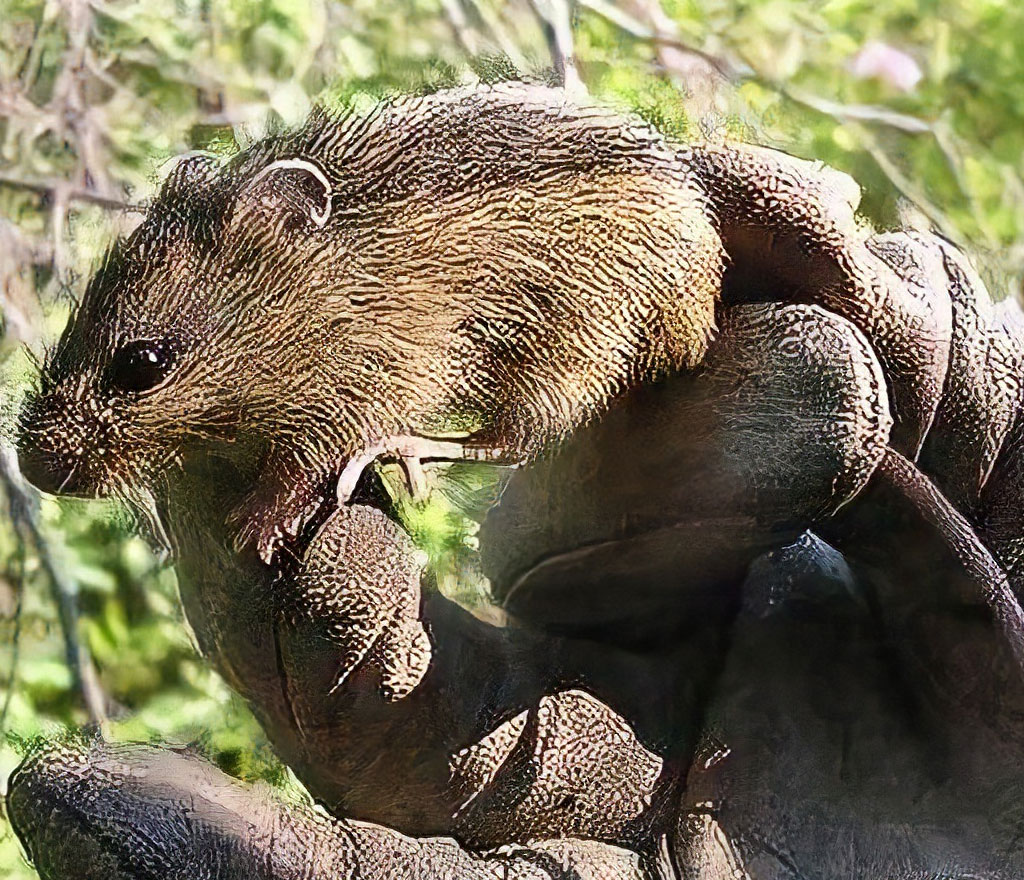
(892, 66)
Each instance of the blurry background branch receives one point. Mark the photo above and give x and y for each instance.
(922, 103)
(62, 191)
(22, 502)
(556, 17)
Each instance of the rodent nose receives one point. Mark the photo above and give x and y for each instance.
(44, 471)
(41, 465)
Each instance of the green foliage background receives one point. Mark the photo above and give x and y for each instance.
(95, 96)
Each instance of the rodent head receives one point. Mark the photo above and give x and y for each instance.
(167, 347)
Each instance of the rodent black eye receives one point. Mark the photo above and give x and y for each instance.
(141, 365)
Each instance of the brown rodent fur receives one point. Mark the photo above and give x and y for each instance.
(494, 262)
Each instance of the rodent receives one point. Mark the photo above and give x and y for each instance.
(484, 268)
(491, 263)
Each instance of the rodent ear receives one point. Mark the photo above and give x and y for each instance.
(295, 186)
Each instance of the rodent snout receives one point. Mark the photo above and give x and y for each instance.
(46, 472)
(44, 460)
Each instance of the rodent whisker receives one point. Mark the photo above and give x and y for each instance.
(68, 479)
(142, 503)
(34, 359)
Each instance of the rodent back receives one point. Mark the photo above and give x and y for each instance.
(498, 244)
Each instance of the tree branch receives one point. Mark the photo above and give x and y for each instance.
(18, 581)
(555, 18)
(730, 68)
(465, 36)
(55, 189)
(23, 505)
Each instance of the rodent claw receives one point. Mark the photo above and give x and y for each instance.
(265, 542)
(412, 451)
(415, 477)
(266, 525)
